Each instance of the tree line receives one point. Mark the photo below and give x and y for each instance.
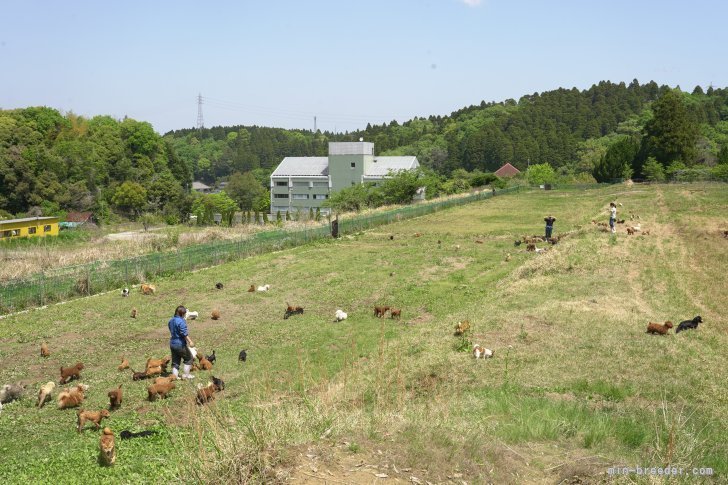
(52, 162)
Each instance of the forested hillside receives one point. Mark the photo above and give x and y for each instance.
(569, 129)
(51, 162)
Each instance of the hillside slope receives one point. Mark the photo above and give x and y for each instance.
(576, 385)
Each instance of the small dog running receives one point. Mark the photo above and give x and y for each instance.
(689, 324)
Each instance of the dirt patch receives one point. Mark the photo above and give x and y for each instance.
(424, 317)
(346, 463)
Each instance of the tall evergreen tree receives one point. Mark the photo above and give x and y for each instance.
(672, 133)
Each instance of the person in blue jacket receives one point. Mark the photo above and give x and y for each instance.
(179, 343)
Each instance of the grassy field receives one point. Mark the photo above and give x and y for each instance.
(576, 386)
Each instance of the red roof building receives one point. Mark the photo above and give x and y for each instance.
(507, 170)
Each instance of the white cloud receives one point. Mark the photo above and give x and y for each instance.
(472, 3)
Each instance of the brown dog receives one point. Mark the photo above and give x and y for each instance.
(159, 389)
(107, 449)
(658, 328)
(153, 371)
(462, 327)
(148, 289)
(207, 394)
(204, 363)
(251, 289)
(216, 314)
(630, 231)
(124, 363)
(68, 373)
(115, 396)
(395, 312)
(165, 380)
(158, 362)
(133, 313)
(380, 311)
(44, 352)
(93, 416)
(70, 398)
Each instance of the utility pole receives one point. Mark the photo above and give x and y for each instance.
(200, 120)
(314, 124)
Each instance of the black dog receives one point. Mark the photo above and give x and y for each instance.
(688, 324)
(126, 434)
(243, 355)
(218, 382)
(219, 286)
(211, 357)
(517, 243)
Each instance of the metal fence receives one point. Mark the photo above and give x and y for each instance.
(83, 280)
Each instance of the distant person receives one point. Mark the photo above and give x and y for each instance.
(335, 227)
(612, 216)
(179, 343)
(549, 225)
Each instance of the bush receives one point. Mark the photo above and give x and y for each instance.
(278, 216)
(720, 172)
(171, 219)
(540, 174)
(653, 170)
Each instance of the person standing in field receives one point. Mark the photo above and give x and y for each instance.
(179, 343)
(549, 225)
(612, 216)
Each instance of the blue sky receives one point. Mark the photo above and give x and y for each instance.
(279, 63)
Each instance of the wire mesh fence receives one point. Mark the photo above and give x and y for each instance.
(64, 283)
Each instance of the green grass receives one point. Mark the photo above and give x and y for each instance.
(574, 375)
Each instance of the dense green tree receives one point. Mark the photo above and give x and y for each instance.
(130, 197)
(653, 170)
(672, 133)
(541, 173)
(617, 162)
(723, 155)
(205, 206)
(245, 190)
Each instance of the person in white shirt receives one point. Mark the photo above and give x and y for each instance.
(612, 216)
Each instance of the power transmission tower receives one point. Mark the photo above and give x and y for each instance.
(200, 120)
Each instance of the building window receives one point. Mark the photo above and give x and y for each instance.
(280, 196)
(47, 228)
(7, 233)
(31, 230)
(281, 183)
(300, 196)
(353, 164)
(320, 196)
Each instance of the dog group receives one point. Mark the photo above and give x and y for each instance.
(663, 328)
(74, 396)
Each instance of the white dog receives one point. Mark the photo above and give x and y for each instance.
(193, 351)
(480, 352)
(191, 315)
(125, 292)
(263, 288)
(340, 315)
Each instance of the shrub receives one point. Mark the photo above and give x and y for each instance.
(653, 170)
